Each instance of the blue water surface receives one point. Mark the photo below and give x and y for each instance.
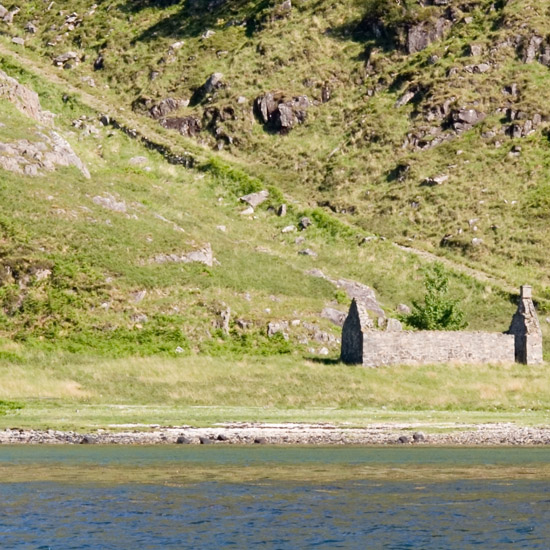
(396, 514)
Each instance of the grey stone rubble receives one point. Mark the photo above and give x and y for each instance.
(109, 202)
(334, 315)
(31, 158)
(201, 255)
(65, 58)
(354, 290)
(214, 82)
(255, 199)
(500, 434)
(7, 15)
(361, 344)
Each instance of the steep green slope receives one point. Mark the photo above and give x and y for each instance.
(384, 149)
(388, 86)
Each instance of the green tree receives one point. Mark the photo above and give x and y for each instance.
(438, 311)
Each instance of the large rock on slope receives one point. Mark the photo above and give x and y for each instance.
(420, 36)
(24, 99)
(280, 113)
(187, 126)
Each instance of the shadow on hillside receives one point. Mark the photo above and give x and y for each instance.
(134, 6)
(323, 360)
(371, 33)
(197, 16)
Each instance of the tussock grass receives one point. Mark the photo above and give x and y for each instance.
(279, 383)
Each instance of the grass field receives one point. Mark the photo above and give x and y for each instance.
(201, 391)
(113, 336)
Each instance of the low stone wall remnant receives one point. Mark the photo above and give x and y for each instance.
(424, 347)
(362, 344)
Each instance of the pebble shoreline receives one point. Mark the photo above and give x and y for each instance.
(292, 434)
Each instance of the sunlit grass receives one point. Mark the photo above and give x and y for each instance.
(205, 390)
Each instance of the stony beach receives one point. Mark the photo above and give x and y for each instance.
(292, 434)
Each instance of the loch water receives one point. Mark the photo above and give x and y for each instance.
(172, 497)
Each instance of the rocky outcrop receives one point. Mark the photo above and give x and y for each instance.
(66, 60)
(465, 119)
(213, 83)
(62, 154)
(355, 291)
(334, 315)
(32, 158)
(188, 126)
(202, 255)
(109, 202)
(49, 151)
(158, 109)
(279, 113)
(522, 123)
(255, 199)
(8, 15)
(24, 99)
(421, 35)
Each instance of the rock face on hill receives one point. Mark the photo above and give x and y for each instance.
(421, 35)
(280, 113)
(33, 158)
(24, 99)
(48, 151)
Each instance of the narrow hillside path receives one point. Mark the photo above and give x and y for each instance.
(147, 132)
(476, 274)
(101, 105)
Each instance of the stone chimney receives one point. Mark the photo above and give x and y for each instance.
(526, 330)
(356, 323)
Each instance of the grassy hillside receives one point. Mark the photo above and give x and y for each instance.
(367, 153)
(424, 127)
(424, 137)
(82, 272)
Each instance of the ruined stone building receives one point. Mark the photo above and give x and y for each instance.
(362, 344)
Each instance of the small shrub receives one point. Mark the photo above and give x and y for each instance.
(438, 311)
(238, 182)
(328, 223)
(341, 296)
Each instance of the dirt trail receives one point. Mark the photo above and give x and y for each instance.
(150, 136)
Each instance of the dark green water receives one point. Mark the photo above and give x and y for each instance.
(272, 497)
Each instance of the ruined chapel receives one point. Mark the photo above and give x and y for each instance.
(362, 344)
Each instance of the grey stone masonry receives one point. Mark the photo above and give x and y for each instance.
(362, 344)
(433, 346)
(525, 328)
(356, 324)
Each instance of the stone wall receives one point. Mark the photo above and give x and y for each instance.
(412, 348)
(362, 344)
